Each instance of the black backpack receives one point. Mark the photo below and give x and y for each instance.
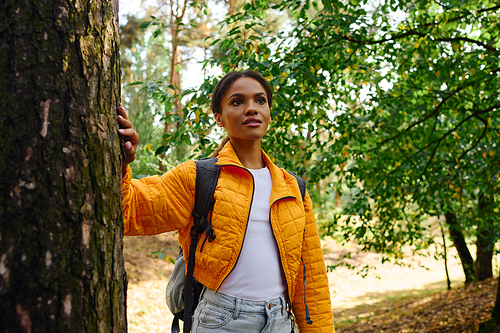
(207, 175)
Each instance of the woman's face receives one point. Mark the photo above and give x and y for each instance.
(245, 110)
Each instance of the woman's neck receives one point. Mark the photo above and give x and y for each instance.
(249, 153)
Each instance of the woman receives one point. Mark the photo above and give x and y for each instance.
(265, 233)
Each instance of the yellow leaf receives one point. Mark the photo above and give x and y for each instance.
(148, 147)
(354, 66)
(451, 186)
(417, 45)
(437, 73)
(456, 135)
(492, 153)
(484, 155)
(398, 164)
(482, 55)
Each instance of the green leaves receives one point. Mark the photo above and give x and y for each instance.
(394, 104)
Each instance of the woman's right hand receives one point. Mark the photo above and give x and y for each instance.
(130, 136)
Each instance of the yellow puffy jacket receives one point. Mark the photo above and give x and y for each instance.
(155, 205)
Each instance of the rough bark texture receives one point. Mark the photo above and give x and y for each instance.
(61, 263)
(461, 246)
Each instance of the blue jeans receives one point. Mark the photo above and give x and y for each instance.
(217, 312)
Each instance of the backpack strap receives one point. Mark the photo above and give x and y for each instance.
(207, 175)
(302, 184)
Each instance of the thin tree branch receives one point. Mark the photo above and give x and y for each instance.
(478, 140)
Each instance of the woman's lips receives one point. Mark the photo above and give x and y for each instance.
(252, 122)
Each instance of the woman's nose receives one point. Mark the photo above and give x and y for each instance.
(251, 109)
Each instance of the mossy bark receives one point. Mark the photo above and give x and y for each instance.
(61, 231)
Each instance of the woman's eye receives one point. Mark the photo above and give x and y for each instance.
(236, 102)
(261, 101)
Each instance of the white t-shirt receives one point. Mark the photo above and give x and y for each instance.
(257, 274)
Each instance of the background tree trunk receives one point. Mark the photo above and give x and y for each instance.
(493, 324)
(461, 246)
(485, 244)
(61, 263)
(484, 254)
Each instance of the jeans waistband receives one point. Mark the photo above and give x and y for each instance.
(235, 303)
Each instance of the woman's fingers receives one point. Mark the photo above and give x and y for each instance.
(129, 135)
(122, 112)
(124, 123)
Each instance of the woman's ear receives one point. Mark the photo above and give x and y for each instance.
(218, 119)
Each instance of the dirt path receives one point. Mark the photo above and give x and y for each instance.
(353, 297)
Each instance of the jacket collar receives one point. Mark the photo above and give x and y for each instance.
(282, 181)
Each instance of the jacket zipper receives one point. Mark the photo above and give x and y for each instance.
(277, 246)
(246, 227)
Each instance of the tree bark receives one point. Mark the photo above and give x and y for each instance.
(484, 245)
(61, 262)
(461, 246)
(484, 254)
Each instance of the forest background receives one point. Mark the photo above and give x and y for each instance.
(389, 109)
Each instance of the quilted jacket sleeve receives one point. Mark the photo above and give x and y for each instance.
(153, 205)
(317, 288)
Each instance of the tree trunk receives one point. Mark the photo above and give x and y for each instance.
(61, 262)
(484, 246)
(461, 246)
(492, 325)
(177, 11)
(484, 254)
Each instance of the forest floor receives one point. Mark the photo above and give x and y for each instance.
(390, 299)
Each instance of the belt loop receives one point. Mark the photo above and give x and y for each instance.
(237, 308)
(283, 305)
(202, 293)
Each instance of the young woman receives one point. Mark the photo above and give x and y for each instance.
(253, 272)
